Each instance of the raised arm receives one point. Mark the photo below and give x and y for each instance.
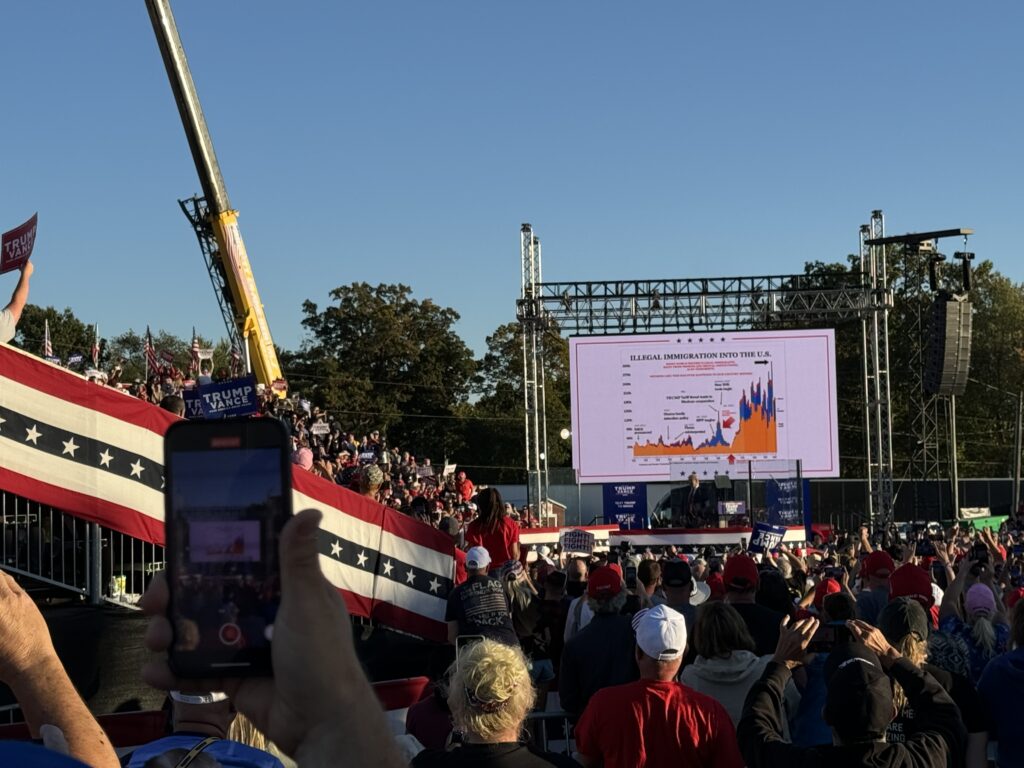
(932, 705)
(760, 730)
(951, 598)
(20, 296)
(865, 540)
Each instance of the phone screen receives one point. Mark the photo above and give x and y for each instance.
(827, 636)
(228, 496)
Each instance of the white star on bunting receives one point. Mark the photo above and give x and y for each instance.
(362, 559)
(137, 469)
(388, 567)
(410, 577)
(2, 420)
(434, 585)
(33, 435)
(335, 549)
(105, 458)
(69, 447)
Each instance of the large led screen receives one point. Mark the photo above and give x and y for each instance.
(654, 408)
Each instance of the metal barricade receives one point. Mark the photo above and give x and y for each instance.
(44, 543)
(128, 566)
(56, 549)
(551, 731)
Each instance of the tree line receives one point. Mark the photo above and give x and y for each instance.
(375, 357)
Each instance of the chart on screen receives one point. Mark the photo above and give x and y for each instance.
(642, 404)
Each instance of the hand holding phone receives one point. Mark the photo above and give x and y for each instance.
(305, 697)
(227, 498)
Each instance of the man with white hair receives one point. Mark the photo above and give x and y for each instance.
(656, 721)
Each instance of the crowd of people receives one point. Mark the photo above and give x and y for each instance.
(860, 650)
(440, 495)
(867, 649)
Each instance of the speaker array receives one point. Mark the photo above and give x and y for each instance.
(948, 358)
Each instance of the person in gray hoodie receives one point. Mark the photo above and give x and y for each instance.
(726, 666)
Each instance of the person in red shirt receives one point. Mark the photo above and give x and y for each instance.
(656, 721)
(465, 486)
(493, 529)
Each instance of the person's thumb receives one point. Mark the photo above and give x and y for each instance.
(300, 554)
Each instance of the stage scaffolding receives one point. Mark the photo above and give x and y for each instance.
(716, 304)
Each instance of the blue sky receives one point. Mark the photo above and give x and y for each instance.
(407, 141)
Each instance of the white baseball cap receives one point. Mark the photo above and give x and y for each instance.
(477, 558)
(701, 593)
(661, 633)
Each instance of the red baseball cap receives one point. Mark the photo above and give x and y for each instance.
(714, 582)
(604, 582)
(879, 563)
(912, 581)
(824, 588)
(740, 573)
(617, 568)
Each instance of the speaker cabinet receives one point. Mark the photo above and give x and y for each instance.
(948, 357)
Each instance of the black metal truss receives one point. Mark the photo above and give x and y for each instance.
(699, 304)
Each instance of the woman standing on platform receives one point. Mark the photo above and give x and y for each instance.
(493, 529)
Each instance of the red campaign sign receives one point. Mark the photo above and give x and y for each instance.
(16, 245)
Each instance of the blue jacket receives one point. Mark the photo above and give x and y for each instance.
(1000, 687)
(230, 754)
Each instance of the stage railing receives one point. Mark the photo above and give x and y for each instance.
(45, 544)
(55, 549)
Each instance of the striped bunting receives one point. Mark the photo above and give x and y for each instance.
(98, 454)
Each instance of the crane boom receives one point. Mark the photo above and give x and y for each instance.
(230, 258)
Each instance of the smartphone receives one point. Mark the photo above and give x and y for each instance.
(227, 495)
(827, 636)
(743, 543)
(835, 572)
(630, 577)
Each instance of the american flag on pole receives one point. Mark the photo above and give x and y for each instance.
(47, 346)
(98, 454)
(236, 360)
(95, 351)
(152, 363)
(193, 365)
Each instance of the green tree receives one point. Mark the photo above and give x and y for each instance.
(376, 358)
(68, 334)
(127, 350)
(985, 416)
(495, 436)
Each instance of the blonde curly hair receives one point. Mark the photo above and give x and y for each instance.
(915, 650)
(490, 692)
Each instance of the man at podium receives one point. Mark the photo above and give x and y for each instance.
(698, 505)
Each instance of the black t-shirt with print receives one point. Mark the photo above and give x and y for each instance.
(480, 606)
(963, 694)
